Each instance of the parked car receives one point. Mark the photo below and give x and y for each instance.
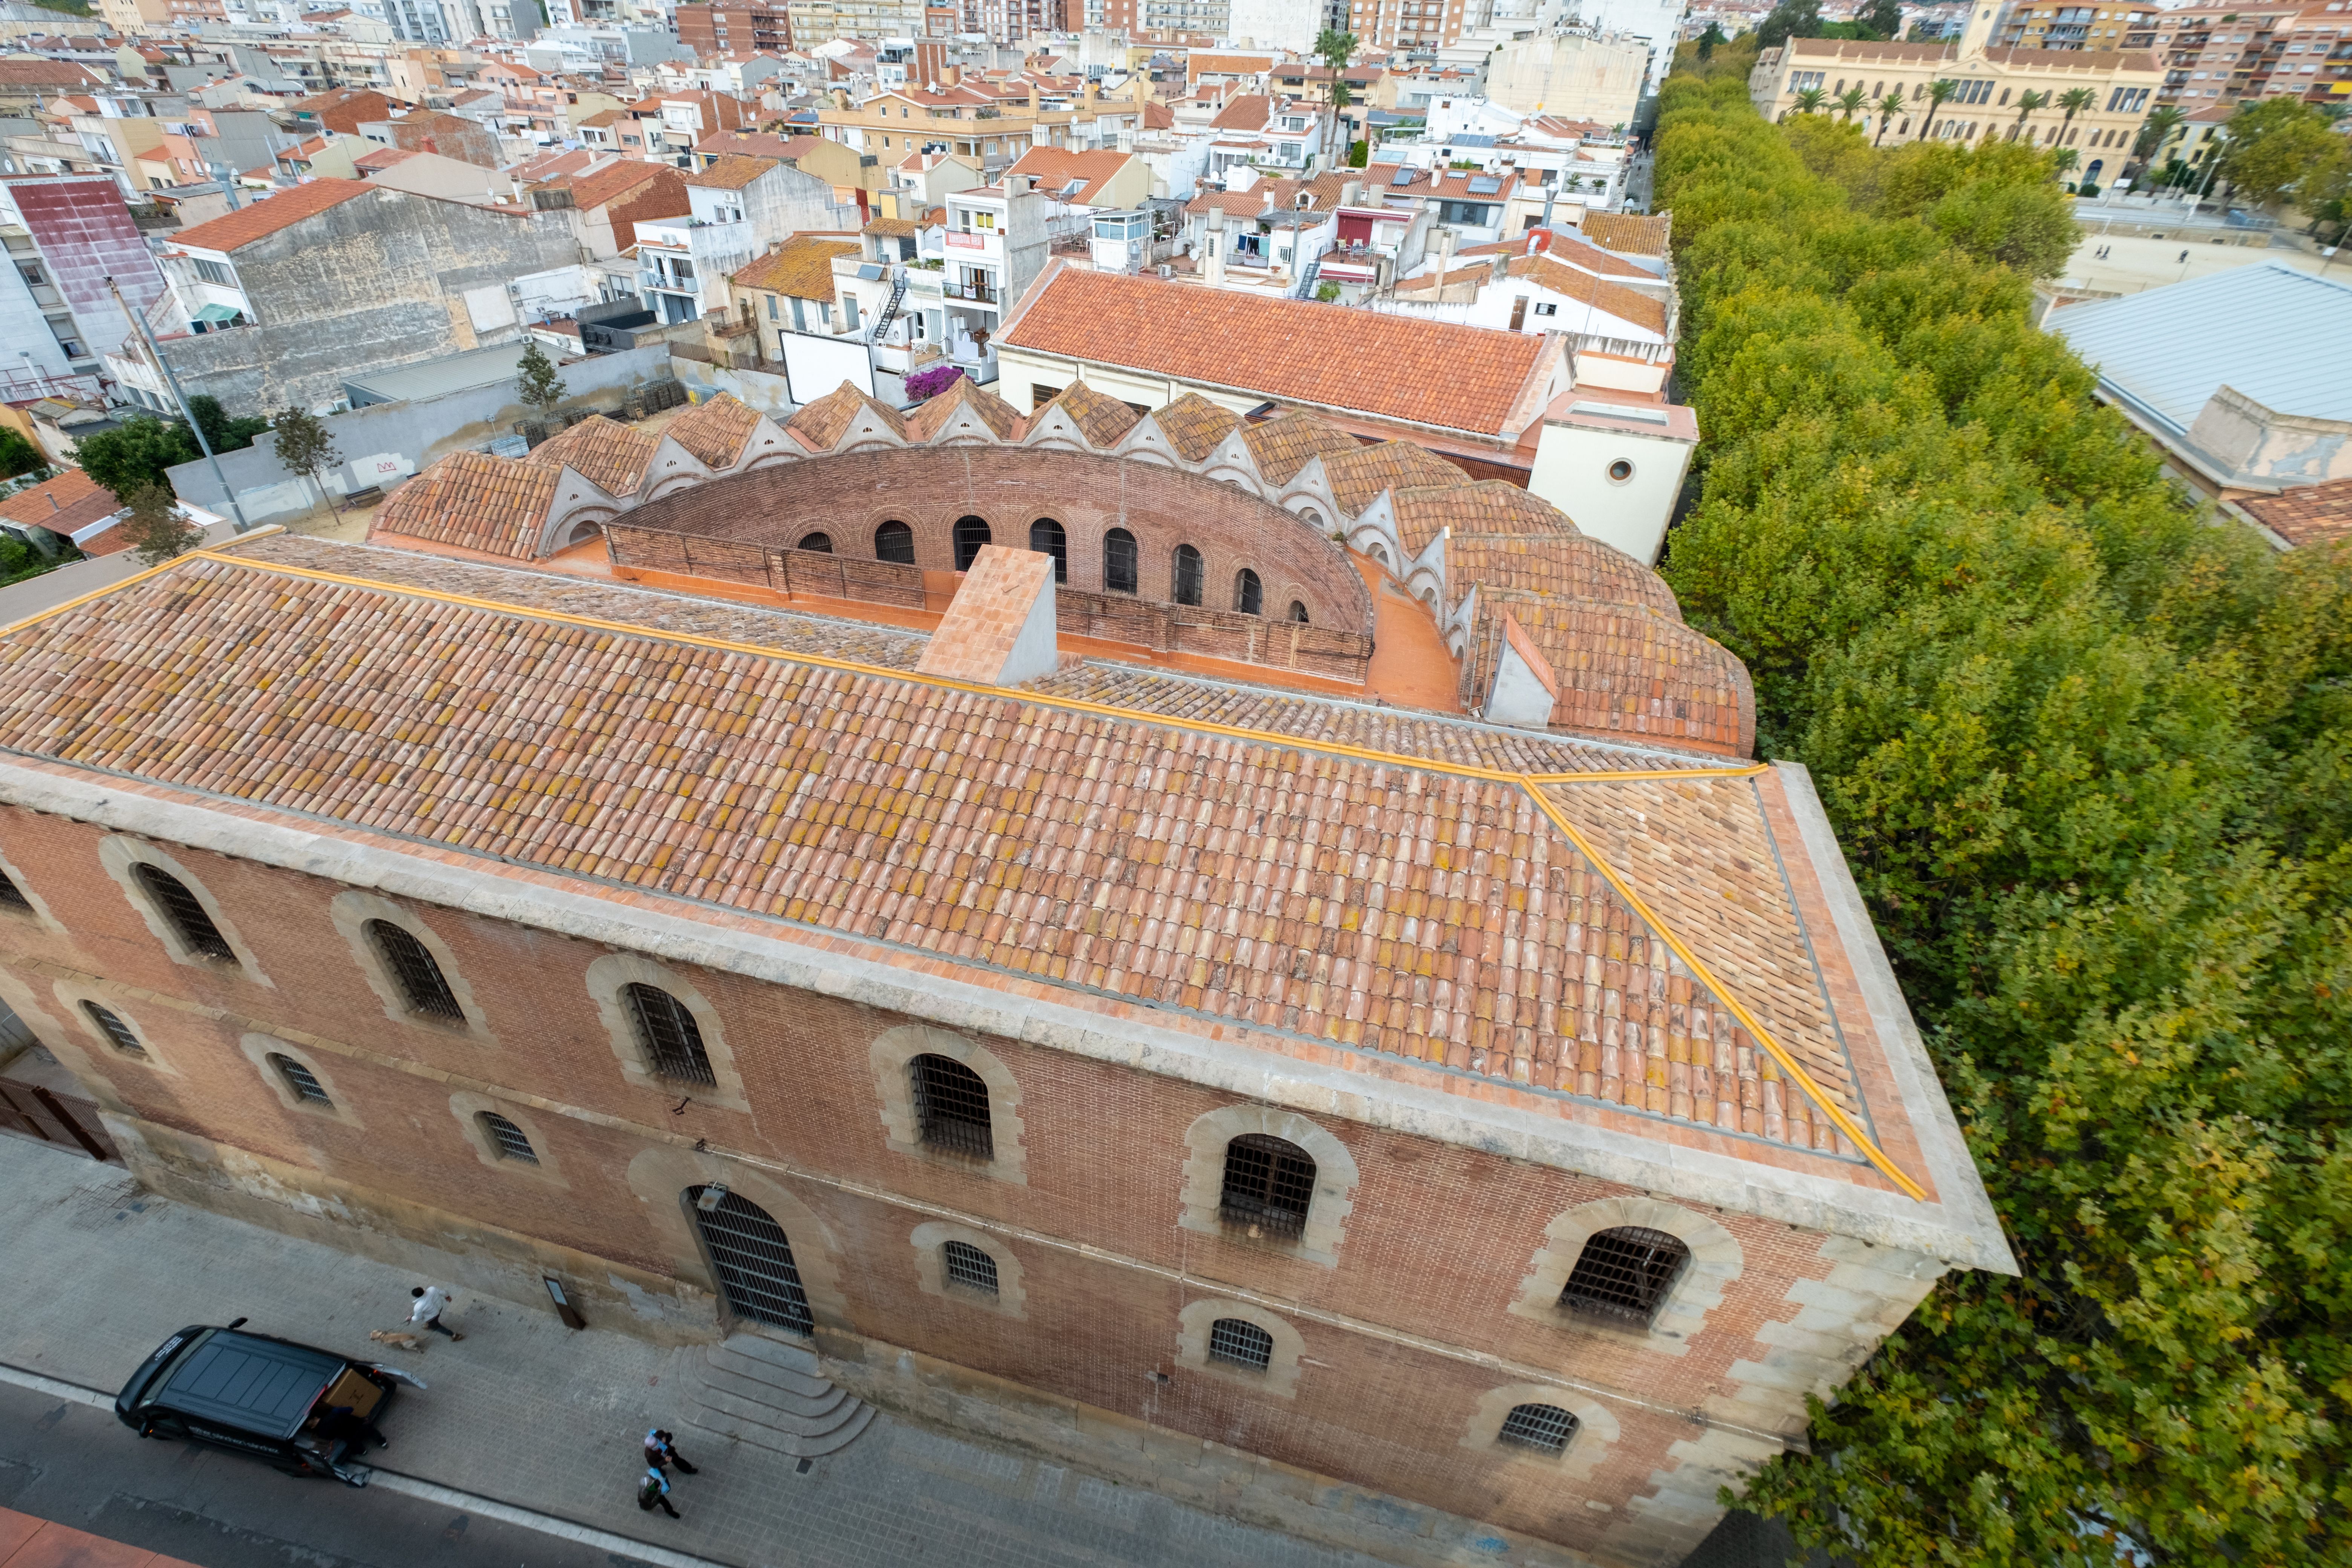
(303, 1409)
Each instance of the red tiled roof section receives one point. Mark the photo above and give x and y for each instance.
(800, 267)
(1515, 638)
(821, 422)
(607, 454)
(715, 431)
(474, 500)
(1490, 506)
(73, 499)
(1195, 425)
(1556, 565)
(960, 823)
(1246, 113)
(1432, 372)
(732, 173)
(1620, 302)
(1358, 477)
(1629, 234)
(598, 186)
(2309, 514)
(1624, 670)
(260, 219)
(1102, 419)
(985, 621)
(1001, 420)
(1282, 445)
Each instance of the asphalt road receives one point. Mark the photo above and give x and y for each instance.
(79, 1467)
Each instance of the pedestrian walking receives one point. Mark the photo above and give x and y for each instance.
(661, 1452)
(431, 1301)
(652, 1493)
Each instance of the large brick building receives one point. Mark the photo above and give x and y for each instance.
(1219, 1060)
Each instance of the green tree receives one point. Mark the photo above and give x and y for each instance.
(1851, 103)
(1888, 108)
(2277, 148)
(2075, 100)
(1939, 93)
(303, 444)
(136, 454)
(2027, 104)
(223, 434)
(1709, 41)
(2157, 130)
(1810, 100)
(1359, 153)
(1789, 19)
(536, 379)
(156, 528)
(1883, 17)
(17, 454)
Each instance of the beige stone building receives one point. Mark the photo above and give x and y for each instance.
(1989, 80)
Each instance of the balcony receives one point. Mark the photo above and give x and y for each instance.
(978, 293)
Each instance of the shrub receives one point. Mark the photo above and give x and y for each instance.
(930, 383)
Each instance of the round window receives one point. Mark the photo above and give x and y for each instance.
(1620, 471)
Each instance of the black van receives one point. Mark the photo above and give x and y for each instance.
(304, 1410)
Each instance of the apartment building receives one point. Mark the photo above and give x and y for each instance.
(983, 123)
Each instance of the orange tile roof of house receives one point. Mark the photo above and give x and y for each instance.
(607, 454)
(1057, 168)
(800, 267)
(1561, 246)
(1101, 419)
(1562, 565)
(714, 430)
(732, 173)
(1358, 477)
(600, 185)
(1193, 425)
(985, 621)
(757, 145)
(820, 422)
(1645, 311)
(963, 392)
(1246, 113)
(1490, 505)
(1629, 234)
(2308, 514)
(1282, 445)
(475, 500)
(1401, 367)
(71, 500)
(260, 219)
(1624, 671)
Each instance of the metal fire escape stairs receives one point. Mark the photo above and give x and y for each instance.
(889, 312)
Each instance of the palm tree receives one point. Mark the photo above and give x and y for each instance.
(2075, 100)
(1888, 108)
(1810, 100)
(2027, 102)
(1939, 94)
(1853, 102)
(2063, 160)
(2157, 130)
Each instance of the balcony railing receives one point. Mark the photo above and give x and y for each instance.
(980, 293)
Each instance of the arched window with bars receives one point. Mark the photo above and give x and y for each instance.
(118, 1033)
(1119, 562)
(1623, 1274)
(510, 1142)
(1237, 1341)
(1545, 1428)
(951, 1106)
(894, 542)
(300, 1079)
(968, 1266)
(971, 533)
(820, 543)
(423, 987)
(1046, 538)
(1188, 572)
(668, 1036)
(1269, 1186)
(184, 914)
(1249, 594)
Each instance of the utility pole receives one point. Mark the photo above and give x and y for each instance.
(139, 319)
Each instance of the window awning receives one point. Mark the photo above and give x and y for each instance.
(217, 313)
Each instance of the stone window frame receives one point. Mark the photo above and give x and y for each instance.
(1280, 1378)
(120, 854)
(259, 1048)
(1336, 1178)
(660, 1176)
(1716, 1260)
(1596, 1429)
(609, 975)
(351, 910)
(892, 1057)
(39, 914)
(468, 1107)
(71, 993)
(929, 1240)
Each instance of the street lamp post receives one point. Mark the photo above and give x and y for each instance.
(139, 319)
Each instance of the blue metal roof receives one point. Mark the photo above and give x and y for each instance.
(2279, 336)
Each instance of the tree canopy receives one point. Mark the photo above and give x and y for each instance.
(133, 455)
(2284, 148)
(1789, 19)
(2087, 753)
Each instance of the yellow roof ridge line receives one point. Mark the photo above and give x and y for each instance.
(1779, 1052)
(851, 667)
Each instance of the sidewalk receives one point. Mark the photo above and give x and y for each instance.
(528, 1413)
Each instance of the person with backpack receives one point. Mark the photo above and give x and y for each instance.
(652, 1493)
(661, 1452)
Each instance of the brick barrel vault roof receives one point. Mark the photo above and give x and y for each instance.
(476, 501)
(1350, 902)
(607, 454)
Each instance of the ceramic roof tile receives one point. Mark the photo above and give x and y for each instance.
(963, 392)
(1560, 565)
(1102, 419)
(801, 267)
(260, 219)
(1624, 670)
(714, 430)
(1490, 506)
(1358, 477)
(607, 454)
(1356, 903)
(2308, 514)
(1282, 445)
(981, 632)
(1640, 309)
(1629, 234)
(476, 501)
(820, 422)
(730, 172)
(1432, 372)
(1195, 425)
(73, 499)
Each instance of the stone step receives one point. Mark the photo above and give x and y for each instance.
(753, 1434)
(799, 1415)
(727, 1367)
(772, 1393)
(790, 1354)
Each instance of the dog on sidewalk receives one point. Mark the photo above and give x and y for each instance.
(396, 1340)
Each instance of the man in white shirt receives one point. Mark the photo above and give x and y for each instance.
(426, 1312)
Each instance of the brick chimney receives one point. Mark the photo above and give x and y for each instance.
(1000, 630)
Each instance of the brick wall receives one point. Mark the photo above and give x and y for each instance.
(1402, 1334)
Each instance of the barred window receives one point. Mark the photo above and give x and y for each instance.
(117, 1032)
(1545, 1428)
(1269, 1185)
(509, 1141)
(1249, 594)
(894, 542)
(1623, 1274)
(1188, 573)
(1240, 1343)
(1299, 611)
(422, 986)
(187, 917)
(1045, 536)
(951, 1106)
(668, 1036)
(820, 543)
(1119, 562)
(971, 533)
(970, 1266)
(300, 1079)
(12, 897)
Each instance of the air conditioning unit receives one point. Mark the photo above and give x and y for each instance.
(1166, 271)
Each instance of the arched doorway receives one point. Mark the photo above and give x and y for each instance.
(753, 1259)
(971, 533)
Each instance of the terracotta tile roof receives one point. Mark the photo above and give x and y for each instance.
(607, 454)
(385, 158)
(1246, 113)
(732, 173)
(893, 227)
(260, 219)
(476, 501)
(2309, 514)
(1629, 234)
(1430, 282)
(1624, 670)
(1235, 203)
(1432, 372)
(757, 145)
(963, 392)
(982, 626)
(1358, 477)
(1464, 928)
(714, 430)
(1057, 167)
(598, 186)
(1102, 419)
(1640, 309)
(820, 422)
(1195, 425)
(1490, 506)
(73, 499)
(1560, 245)
(801, 267)
(1282, 445)
(1558, 565)
(48, 73)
